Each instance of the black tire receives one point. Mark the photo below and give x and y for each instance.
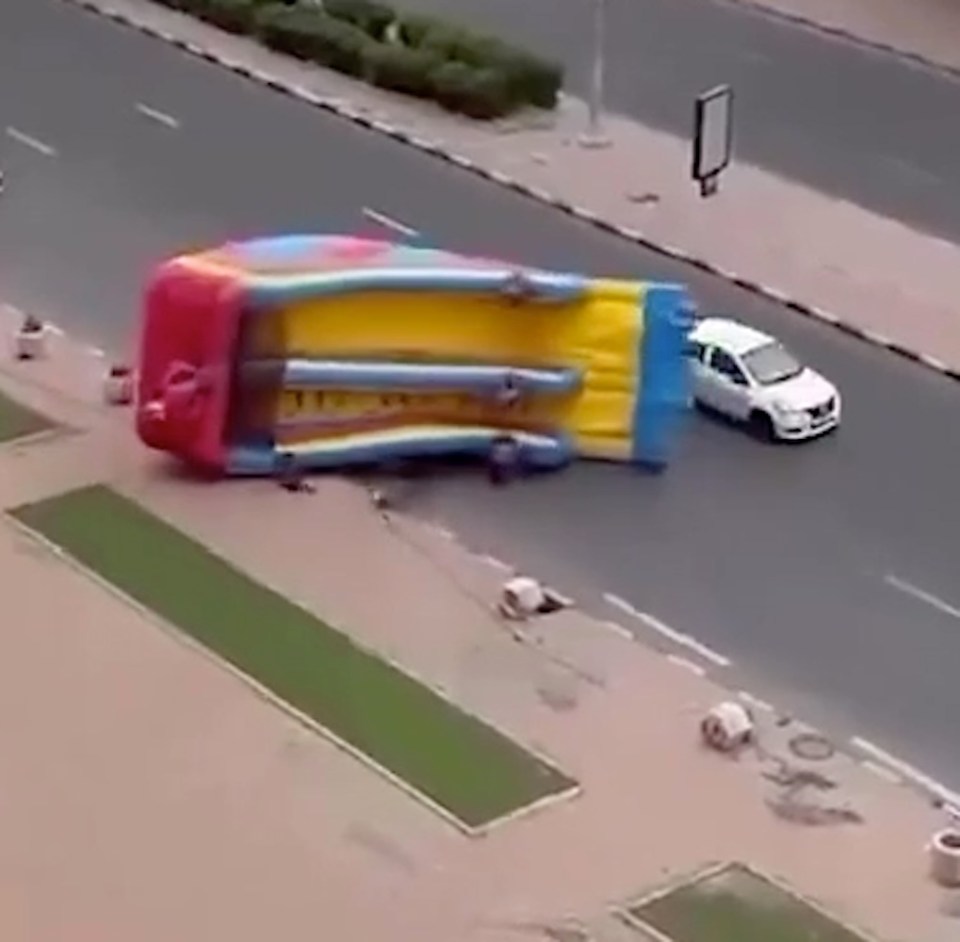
(761, 427)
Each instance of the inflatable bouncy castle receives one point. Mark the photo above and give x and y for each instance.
(325, 351)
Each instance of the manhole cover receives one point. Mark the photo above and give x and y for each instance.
(812, 746)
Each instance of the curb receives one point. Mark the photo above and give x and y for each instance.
(758, 8)
(342, 109)
(864, 753)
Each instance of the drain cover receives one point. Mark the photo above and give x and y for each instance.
(812, 746)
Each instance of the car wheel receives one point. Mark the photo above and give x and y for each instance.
(762, 427)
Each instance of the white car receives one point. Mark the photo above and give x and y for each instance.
(751, 377)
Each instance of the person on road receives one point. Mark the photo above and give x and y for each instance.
(503, 461)
(289, 476)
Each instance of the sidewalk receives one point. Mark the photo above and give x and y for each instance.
(895, 286)
(149, 795)
(923, 28)
(615, 714)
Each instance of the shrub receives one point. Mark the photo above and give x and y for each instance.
(414, 27)
(234, 16)
(538, 81)
(287, 30)
(308, 33)
(401, 69)
(531, 80)
(192, 7)
(368, 15)
(482, 94)
(416, 54)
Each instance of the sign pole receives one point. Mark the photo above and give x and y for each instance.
(594, 136)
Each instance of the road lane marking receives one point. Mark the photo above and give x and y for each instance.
(882, 771)
(620, 603)
(921, 595)
(751, 701)
(389, 222)
(15, 134)
(161, 117)
(686, 665)
(950, 798)
(707, 653)
(618, 629)
(495, 563)
(677, 637)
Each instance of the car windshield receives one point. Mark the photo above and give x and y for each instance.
(771, 363)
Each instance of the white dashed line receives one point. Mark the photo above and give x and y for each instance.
(618, 629)
(687, 665)
(750, 700)
(29, 141)
(495, 563)
(882, 771)
(161, 117)
(661, 628)
(677, 637)
(708, 654)
(921, 595)
(620, 603)
(907, 771)
(389, 222)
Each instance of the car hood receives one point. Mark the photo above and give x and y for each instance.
(803, 391)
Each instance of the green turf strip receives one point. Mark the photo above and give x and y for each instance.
(739, 906)
(463, 764)
(17, 421)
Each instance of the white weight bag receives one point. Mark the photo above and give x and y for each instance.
(727, 727)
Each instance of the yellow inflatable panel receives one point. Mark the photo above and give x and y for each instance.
(599, 335)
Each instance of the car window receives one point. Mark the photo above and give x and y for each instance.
(771, 363)
(697, 351)
(723, 363)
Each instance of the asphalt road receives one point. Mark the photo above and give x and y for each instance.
(833, 115)
(779, 558)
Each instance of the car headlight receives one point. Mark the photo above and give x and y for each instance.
(790, 414)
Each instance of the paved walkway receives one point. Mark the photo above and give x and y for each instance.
(149, 795)
(925, 28)
(882, 278)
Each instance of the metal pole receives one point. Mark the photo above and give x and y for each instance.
(594, 136)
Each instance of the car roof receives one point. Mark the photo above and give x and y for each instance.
(734, 337)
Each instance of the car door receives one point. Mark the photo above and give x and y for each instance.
(729, 388)
(699, 372)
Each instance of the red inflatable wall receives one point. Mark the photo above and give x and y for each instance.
(190, 323)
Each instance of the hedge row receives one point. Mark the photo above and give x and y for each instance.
(414, 54)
